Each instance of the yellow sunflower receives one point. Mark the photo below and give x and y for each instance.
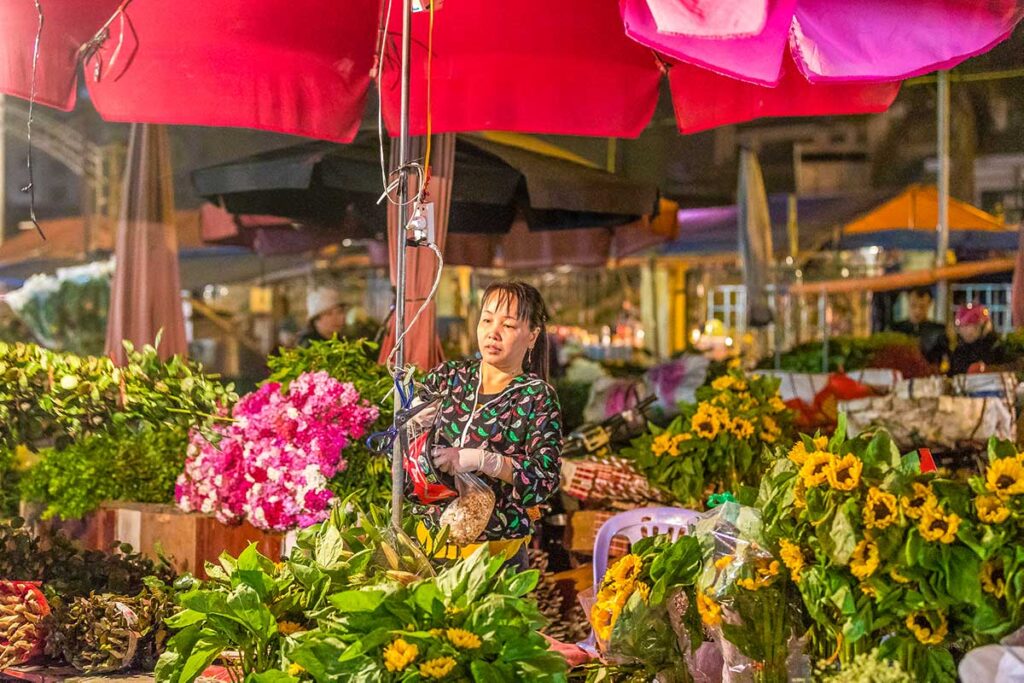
(603, 617)
(776, 404)
(643, 590)
(439, 667)
(399, 654)
(295, 670)
(799, 494)
(462, 639)
(880, 509)
(723, 383)
(741, 428)
(815, 469)
(844, 473)
(798, 453)
(993, 578)
(864, 561)
(924, 627)
(661, 444)
(709, 610)
(917, 502)
(625, 569)
(724, 561)
(792, 557)
(287, 628)
(708, 421)
(1005, 477)
(897, 577)
(765, 569)
(770, 430)
(991, 509)
(935, 526)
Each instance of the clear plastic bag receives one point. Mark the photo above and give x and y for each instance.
(466, 517)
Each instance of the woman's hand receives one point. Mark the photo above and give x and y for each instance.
(458, 460)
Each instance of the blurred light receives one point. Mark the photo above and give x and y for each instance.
(700, 290)
(845, 272)
(695, 335)
(789, 260)
(875, 250)
(799, 273)
(346, 242)
(728, 341)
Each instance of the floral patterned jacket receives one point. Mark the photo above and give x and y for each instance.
(523, 422)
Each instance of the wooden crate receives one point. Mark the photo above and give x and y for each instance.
(190, 540)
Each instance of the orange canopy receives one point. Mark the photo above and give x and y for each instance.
(917, 208)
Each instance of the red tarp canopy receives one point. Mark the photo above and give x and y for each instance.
(572, 67)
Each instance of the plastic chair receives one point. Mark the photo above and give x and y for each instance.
(634, 525)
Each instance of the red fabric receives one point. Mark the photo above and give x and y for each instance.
(299, 67)
(704, 100)
(304, 67)
(530, 66)
(145, 295)
(66, 25)
(422, 346)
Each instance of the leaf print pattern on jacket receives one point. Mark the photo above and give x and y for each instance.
(523, 422)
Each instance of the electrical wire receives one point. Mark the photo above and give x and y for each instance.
(426, 302)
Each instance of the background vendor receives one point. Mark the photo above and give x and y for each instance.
(977, 343)
(500, 419)
(931, 335)
(326, 314)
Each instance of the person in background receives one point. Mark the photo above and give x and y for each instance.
(931, 335)
(326, 314)
(977, 343)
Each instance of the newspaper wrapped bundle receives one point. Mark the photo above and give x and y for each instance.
(936, 422)
(610, 480)
(22, 612)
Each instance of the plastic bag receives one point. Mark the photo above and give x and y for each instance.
(755, 614)
(466, 517)
(425, 484)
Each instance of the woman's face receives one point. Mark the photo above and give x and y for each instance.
(970, 333)
(503, 338)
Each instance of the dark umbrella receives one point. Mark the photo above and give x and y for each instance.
(327, 185)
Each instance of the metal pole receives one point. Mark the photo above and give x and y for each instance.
(942, 243)
(403, 218)
(823, 323)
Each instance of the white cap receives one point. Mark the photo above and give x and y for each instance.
(320, 300)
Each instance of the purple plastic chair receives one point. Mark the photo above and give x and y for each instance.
(634, 525)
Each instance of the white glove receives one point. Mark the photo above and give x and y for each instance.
(426, 416)
(459, 460)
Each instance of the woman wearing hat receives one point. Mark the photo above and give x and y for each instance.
(977, 343)
(326, 315)
(499, 418)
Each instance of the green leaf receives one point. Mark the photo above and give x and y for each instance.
(485, 672)
(200, 657)
(272, 676)
(523, 582)
(358, 600)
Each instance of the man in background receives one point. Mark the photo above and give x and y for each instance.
(932, 336)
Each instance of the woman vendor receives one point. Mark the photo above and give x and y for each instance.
(499, 418)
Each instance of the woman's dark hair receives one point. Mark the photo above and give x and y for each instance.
(530, 308)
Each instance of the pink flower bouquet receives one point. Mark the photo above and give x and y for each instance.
(271, 464)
